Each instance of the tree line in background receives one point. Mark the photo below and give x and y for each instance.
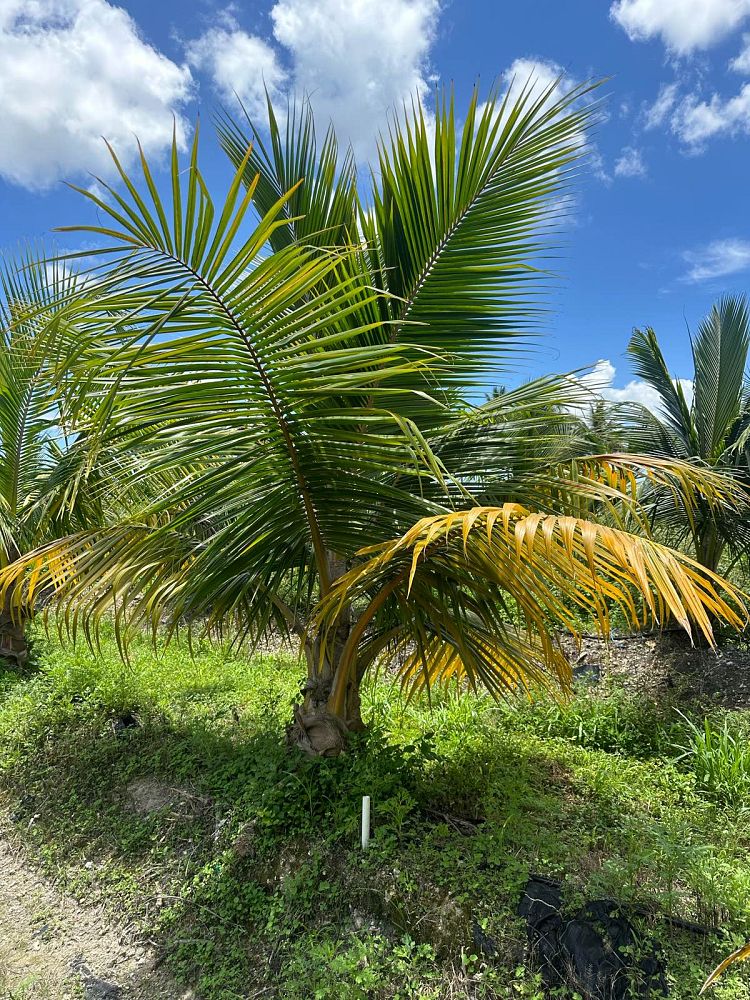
(260, 413)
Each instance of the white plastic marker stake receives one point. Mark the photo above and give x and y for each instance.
(365, 821)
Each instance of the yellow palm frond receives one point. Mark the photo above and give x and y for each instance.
(740, 955)
(481, 593)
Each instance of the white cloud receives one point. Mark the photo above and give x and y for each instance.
(682, 25)
(540, 72)
(741, 63)
(659, 111)
(239, 64)
(356, 59)
(694, 118)
(72, 71)
(630, 163)
(696, 121)
(601, 381)
(717, 260)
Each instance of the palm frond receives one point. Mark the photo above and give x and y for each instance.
(459, 221)
(256, 382)
(741, 954)
(321, 209)
(649, 364)
(720, 351)
(479, 593)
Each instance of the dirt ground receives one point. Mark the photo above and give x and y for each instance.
(653, 664)
(52, 948)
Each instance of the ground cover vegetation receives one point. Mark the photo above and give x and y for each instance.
(166, 790)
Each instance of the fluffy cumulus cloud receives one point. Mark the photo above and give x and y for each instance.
(630, 163)
(717, 259)
(72, 71)
(601, 381)
(356, 59)
(240, 65)
(696, 121)
(682, 25)
(540, 74)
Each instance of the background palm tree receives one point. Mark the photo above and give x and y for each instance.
(37, 498)
(711, 428)
(295, 392)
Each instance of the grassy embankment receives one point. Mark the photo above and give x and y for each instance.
(248, 871)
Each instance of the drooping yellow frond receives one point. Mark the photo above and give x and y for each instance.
(740, 955)
(481, 593)
(614, 480)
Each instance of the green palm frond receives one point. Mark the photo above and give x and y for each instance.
(457, 224)
(256, 380)
(710, 432)
(720, 358)
(649, 364)
(461, 218)
(322, 209)
(32, 326)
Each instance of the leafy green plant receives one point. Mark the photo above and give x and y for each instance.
(609, 719)
(255, 872)
(720, 759)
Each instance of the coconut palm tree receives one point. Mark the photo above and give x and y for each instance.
(710, 429)
(292, 372)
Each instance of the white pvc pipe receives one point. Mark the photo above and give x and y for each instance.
(365, 821)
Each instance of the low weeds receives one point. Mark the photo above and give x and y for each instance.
(719, 756)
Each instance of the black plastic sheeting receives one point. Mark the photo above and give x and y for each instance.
(596, 951)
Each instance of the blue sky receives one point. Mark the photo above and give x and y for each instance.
(659, 225)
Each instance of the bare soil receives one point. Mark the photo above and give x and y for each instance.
(54, 948)
(653, 664)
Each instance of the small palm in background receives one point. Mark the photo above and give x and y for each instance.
(38, 498)
(711, 429)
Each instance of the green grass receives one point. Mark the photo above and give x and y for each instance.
(253, 874)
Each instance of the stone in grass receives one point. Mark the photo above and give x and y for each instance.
(149, 795)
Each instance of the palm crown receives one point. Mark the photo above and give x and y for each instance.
(711, 429)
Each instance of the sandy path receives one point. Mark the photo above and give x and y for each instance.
(53, 948)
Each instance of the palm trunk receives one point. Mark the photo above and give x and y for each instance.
(14, 645)
(330, 709)
(710, 548)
